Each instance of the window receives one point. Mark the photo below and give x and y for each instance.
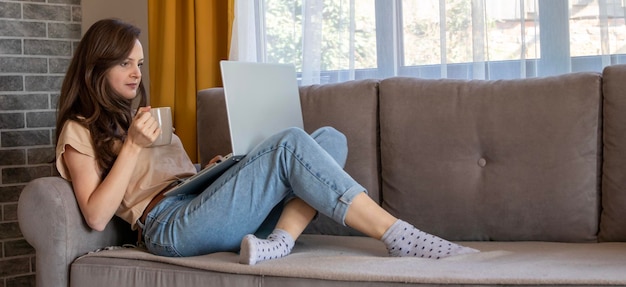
(338, 40)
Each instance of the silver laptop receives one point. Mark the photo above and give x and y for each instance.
(261, 100)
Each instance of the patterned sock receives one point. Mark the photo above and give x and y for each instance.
(404, 240)
(277, 245)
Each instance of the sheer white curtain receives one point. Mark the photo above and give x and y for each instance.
(340, 40)
(282, 32)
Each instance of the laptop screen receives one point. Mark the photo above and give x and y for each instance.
(261, 100)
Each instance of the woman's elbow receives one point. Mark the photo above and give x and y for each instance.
(96, 224)
(98, 228)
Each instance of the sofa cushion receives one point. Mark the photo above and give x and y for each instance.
(319, 260)
(350, 107)
(493, 160)
(613, 218)
(212, 124)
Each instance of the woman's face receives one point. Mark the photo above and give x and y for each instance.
(124, 77)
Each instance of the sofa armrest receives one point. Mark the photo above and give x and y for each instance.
(51, 222)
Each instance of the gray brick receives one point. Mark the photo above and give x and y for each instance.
(47, 12)
(11, 175)
(54, 101)
(55, 172)
(10, 212)
(12, 121)
(11, 83)
(12, 157)
(10, 46)
(17, 248)
(25, 138)
(77, 14)
(43, 83)
(71, 2)
(14, 266)
(23, 65)
(58, 65)
(8, 231)
(40, 119)
(21, 281)
(23, 102)
(47, 47)
(64, 30)
(10, 10)
(74, 46)
(10, 193)
(12, 28)
(41, 155)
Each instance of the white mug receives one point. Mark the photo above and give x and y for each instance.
(163, 116)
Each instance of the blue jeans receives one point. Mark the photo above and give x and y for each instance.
(287, 165)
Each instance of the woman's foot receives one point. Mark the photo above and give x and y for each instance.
(404, 240)
(277, 245)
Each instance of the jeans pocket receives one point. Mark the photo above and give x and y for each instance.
(161, 249)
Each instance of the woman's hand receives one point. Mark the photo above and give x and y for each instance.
(215, 160)
(144, 129)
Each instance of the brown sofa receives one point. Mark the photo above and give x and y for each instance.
(532, 172)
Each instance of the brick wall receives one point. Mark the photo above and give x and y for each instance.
(36, 42)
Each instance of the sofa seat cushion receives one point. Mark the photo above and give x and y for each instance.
(508, 160)
(324, 260)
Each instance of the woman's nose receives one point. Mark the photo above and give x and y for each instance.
(136, 73)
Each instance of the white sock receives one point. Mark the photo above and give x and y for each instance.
(404, 240)
(278, 244)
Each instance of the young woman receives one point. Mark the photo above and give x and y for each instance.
(103, 148)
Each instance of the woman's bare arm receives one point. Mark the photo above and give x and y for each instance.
(99, 199)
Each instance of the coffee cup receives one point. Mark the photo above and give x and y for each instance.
(163, 116)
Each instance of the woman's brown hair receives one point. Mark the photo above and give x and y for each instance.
(86, 96)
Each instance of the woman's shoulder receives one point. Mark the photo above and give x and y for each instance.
(75, 134)
(74, 127)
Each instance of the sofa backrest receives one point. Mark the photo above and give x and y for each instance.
(493, 160)
(530, 159)
(613, 219)
(351, 108)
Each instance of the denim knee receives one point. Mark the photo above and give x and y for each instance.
(333, 135)
(333, 142)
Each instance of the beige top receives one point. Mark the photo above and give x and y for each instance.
(156, 168)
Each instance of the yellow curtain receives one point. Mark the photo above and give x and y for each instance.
(187, 39)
